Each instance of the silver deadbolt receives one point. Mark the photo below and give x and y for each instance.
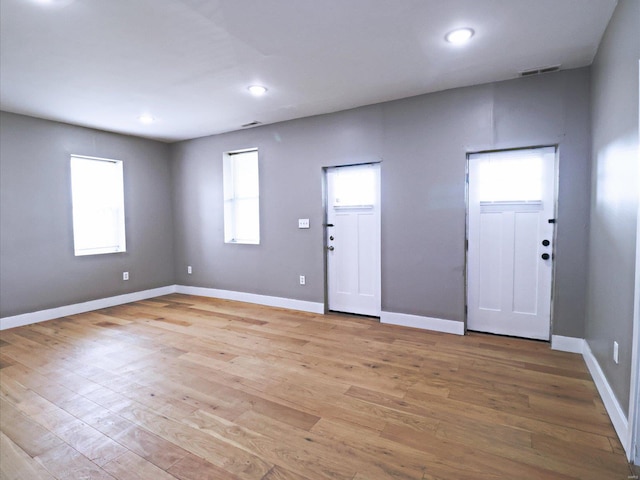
(331, 237)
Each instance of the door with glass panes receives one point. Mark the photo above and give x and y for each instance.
(511, 222)
(353, 239)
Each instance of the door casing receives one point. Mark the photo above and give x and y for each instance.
(327, 232)
(555, 230)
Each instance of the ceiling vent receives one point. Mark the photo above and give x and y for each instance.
(251, 124)
(539, 70)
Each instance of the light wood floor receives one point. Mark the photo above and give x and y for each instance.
(195, 388)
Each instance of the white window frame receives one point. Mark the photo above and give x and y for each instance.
(235, 203)
(98, 206)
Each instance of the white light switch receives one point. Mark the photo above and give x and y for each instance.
(303, 223)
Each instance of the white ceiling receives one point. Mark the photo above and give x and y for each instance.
(102, 63)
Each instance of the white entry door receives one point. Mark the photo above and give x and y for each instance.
(353, 239)
(510, 233)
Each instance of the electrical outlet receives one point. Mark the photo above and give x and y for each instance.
(615, 352)
(303, 223)
(125, 275)
(189, 270)
(303, 280)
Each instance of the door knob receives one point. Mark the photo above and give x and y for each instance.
(330, 248)
(546, 243)
(546, 256)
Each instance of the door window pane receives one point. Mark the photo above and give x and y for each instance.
(355, 187)
(511, 176)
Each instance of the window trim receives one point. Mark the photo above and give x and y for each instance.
(230, 199)
(120, 234)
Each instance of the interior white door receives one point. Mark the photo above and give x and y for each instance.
(510, 234)
(353, 239)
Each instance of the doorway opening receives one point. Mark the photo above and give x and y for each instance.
(352, 239)
(510, 233)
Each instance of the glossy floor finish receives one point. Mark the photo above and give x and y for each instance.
(196, 388)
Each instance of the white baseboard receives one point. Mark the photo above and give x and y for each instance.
(292, 304)
(58, 312)
(66, 310)
(567, 344)
(616, 414)
(426, 323)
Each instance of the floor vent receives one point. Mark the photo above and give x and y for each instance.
(539, 70)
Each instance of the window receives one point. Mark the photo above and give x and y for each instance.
(355, 187)
(241, 197)
(514, 175)
(98, 205)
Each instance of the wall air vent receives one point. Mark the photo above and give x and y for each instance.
(251, 124)
(539, 70)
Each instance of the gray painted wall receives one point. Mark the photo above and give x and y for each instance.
(614, 206)
(37, 267)
(422, 143)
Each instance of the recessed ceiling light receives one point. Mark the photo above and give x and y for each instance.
(257, 90)
(459, 36)
(146, 118)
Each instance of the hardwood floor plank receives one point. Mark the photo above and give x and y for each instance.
(295, 452)
(97, 447)
(280, 473)
(218, 451)
(66, 463)
(16, 464)
(24, 432)
(197, 388)
(597, 460)
(13, 391)
(380, 457)
(453, 410)
(192, 467)
(154, 449)
(130, 466)
(5, 361)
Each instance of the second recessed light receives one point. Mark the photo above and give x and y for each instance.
(459, 36)
(257, 90)
(146, 118)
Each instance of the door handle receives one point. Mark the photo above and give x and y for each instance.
(545, 256)
(330, 248)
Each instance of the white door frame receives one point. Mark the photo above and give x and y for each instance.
(633, 454)
(555, 230)
(326, 232)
